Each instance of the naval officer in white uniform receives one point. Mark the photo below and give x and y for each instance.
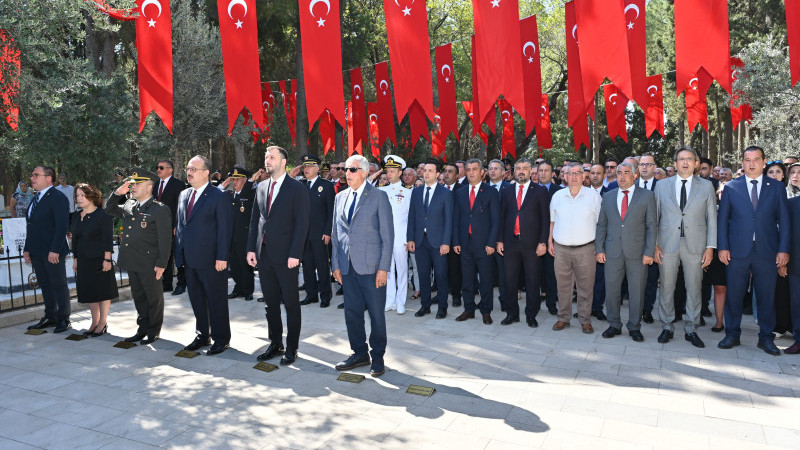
(400, 199)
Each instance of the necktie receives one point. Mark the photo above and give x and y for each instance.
(34, 202)
(352, 207)
(427, 197)
(683, 194)
(519, 205)
(645, 184)
(191, 205)
(624, 209)
(308, 182)
(269, 197)
(160, 189)
(754, 194)
(471, 202)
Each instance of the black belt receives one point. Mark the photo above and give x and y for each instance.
(576, 246)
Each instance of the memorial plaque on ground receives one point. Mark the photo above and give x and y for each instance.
(186, 354)
(75, 337)
(351, 378)
(125, 345)
(36, 332)
(424, 391)
(265, 367)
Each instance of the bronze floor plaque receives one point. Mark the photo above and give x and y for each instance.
(186, 354)
(75, 337)
(424, 391)
(125, 345)
(351, 377)
(36, 332)
(265, 367)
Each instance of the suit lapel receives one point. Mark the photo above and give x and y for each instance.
(198, 201)
(673, 181)
(694, 191)
(528, 195)
(364, 195)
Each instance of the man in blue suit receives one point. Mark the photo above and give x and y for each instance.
(793, 271)
(475, 228)
(430, 227)
(753, 236)
(496, 171)
(46, 247)
(548, 273)
(202, 244)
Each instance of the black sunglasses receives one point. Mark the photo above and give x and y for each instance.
(352, 169)
(162, 167)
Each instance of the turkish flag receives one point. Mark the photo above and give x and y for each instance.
(468, 106)
(268, 102)
(239, 35)
(531, 71)
(603, 46)
(438, 139)
(491, 119)
(509, 146)
(712, 51)
(351, 144)
(321, 40)
(9, 86)
(580, 133)
(374, 126)
(576, 106)
(154, 61)
(695, 95)
(544, 134)
(418, 124)
(446, 82)
(635, 24)
(327, 132)
(385, 110)
(496, 44)
(616, 102)
(410, 54)
(793, 33)
(288, 108)
(359, 114)
(654, 109)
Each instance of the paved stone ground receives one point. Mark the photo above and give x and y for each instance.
(496, 387)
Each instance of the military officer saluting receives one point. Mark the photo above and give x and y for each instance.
(400, 199)
(316, 266)
(241, 198)
(144, 248)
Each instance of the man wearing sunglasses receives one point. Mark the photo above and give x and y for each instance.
(167, 190)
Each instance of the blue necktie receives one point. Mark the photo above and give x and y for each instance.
(352, 208)
(33, 204)
(425, 201)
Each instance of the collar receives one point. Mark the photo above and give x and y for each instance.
(166, 180)
(432, 186)
(524, 186)
(648, 180)
(398, 184)
(280, 179)
(314, 180)
(360, 189)
(145, 201)
(630, 189)
(679, 178)
(546, 185)
(759, 179)
(461, 180)
(478, 185)
(201, 189)
(41, 193)
(450, 187)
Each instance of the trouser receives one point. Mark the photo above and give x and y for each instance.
(208, 293)
(242, 273)
(361, 293)
(278, 282)
(166, 279)
(397, 281)
(148, 297)
(575, 266)
(615, 271)
(501, 277)
(316, 270)
(525, 263)
(599, 299)
(454, 273)
(764, 274)
(427, 257)
(693, 279)
(52, 280)
(794, 299)
(475, 263)
(651, 287)
(549, 283)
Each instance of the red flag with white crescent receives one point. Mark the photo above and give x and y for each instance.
(793, 33)
(580, 132)
(446, 82)
(468, 109)
(497, 39)
(351, 145)
(616, 102)
(374, 126)
(544, 134)
(509, 146)
(410, 54)
(320, 37)
(712, 52)
(288, 108)
(386, 129)
(9, 80)
(359, 114)
(268, 102)
(491, 119)
(154, 60)
(327, 132)
(576, 106)
(636, 26)
(418, 124)
(438, 138)
(654, 109)
(695, 97)
(531, 71)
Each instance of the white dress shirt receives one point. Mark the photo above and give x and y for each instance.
(620, 196)
(678, 184)
(760, 180)
(350, 199)
(575, 218)
(524, 191)
(278, 183)
(650, 183)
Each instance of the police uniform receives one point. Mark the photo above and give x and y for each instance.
(400, 199)
(316, 265)
(242, 207)
(144, 245)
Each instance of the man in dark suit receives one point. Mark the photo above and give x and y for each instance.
(548, 273)
(450, 174)
(475, 228)
(202, 246)
(430, 227)
(278, 230)
(167, 190)
(316, 268)
(753, 236)
(793, 271)
(524, 229)
(241, 197)
(497, 171)
(46, 247)
(647, 180)
(597, 174)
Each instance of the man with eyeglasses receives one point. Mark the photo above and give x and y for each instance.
(647, 180)
(167, 191)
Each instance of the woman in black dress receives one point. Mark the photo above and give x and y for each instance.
(92, 245)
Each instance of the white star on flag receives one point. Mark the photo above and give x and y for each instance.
(495, 3)
(406, 11)
(238, 24)
(151, 23)
(321, 22)
(530, 59)
(630, 25)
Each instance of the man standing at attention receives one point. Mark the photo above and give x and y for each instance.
(241, 197)
(399, 199)
(363, 237)
(647, 180)
(316, 269)
(167, 191)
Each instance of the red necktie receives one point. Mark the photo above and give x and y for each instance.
(191, 205)
(519, 205)
(471, 202)
(160, 190)
(269, 197)
(624, 208)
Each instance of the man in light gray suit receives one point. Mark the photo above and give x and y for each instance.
(687, 235)
(362, 240)
(626, 243)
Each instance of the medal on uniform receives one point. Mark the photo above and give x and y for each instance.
(241, 208)
(144, 224)
(319, 189)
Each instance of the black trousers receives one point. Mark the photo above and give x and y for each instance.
(166, 279)
(317, 270)
(548, 280)
(454, 274)
(148, 297)
(208, 293)
(52, 279)
(517, 262)
(474, 263)
(242, 273)
(279, 282)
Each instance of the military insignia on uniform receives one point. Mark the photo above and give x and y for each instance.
(319, 189)
(144, 224)
(241, 208)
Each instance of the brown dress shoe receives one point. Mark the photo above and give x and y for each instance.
(793, 350)
(487, 319)
(464, 316)
(587, 328)
(560, 325)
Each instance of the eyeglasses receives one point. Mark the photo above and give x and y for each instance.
(611, 167)
(194, 169)
(37, 175)
(687, 159)
(352, 169)
(162, 167)
(646, 164)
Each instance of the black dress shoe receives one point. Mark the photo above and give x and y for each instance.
(441, 314)
(665, 336)
(465, 315)
(636, 335)
(289, 358)
(487, 319)
(377, 369)
(717, 330)
(340, 291)
(611, 332)
(729, 342)
(179, 290)
(234, 294)
(353, 361)
(139, 336)
(42, 324)
(457, 301)
(531, 321)
(694, 339)
(62, 326)
(769, 347)
(272, 351)
(149, 340)
(260, 299)
(197, 344)
(309, 300)
(248, 297)
(324, 303)
(647, 317)
(422, 311)
(509, 319)
(599, 315)
(217, 348)
(341, 306)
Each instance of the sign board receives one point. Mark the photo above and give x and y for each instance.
(14, 232)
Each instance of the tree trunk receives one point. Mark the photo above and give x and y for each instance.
(595, 136)
(682, 131)
(109, 64)
(238, 151)
(302, 114)
(92, 53)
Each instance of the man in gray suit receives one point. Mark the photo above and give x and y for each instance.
(625, 243)
(362, 240)
(687, 235)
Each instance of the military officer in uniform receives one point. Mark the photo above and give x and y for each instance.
(316, 266)
(241, 197)
(400, 199)
(144, 249)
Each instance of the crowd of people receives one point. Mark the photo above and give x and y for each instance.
(666, 240)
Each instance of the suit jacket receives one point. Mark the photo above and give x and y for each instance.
(146, 241)
(205, 237)
(242, 212)
(737, 222)
(698, 218)
(367, 240)
(286, 227)
(794, 259)
(437, 220)
(611, 186)
(534, 217)
(320, 202)
(630, 238)
(170, 195)
(552, 190)
(48, 225)
(484, 217)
